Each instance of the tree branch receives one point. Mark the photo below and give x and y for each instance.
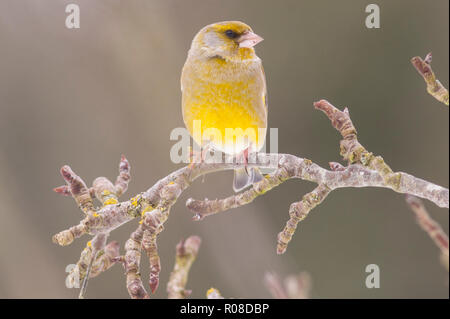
(153, 205)
(131, 262)
(431, 227)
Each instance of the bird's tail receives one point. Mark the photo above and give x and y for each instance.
(244, 177)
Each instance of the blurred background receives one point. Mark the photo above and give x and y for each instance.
(84, 96)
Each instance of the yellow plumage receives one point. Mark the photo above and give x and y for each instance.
(223, 86)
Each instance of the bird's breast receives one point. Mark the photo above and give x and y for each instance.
(226, 103)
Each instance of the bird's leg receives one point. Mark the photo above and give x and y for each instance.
(245, 153)
(242, 158)
(198, 157)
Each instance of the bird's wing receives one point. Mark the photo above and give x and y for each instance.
(266, 104)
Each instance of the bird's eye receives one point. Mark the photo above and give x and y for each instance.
(231, 34)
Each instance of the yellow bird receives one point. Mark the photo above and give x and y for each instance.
(224, 96)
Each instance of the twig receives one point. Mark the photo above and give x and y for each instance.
(431, 227)
(153, 225)
(131, 262)
(434, 87)
(186, 254)
(124, 177)
(297, 212)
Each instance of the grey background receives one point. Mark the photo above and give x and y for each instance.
(82, 97)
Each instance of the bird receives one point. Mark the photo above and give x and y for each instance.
(224, 94)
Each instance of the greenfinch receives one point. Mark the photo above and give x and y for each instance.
(224, 94)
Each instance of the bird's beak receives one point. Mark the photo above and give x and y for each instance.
(249, 40)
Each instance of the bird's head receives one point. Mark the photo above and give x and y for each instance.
(229, 40)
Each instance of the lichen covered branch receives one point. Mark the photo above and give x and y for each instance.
(297, 212)
(353, 152)
(131, 262)
(434, 87)
(98, 256)
(153, 225)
